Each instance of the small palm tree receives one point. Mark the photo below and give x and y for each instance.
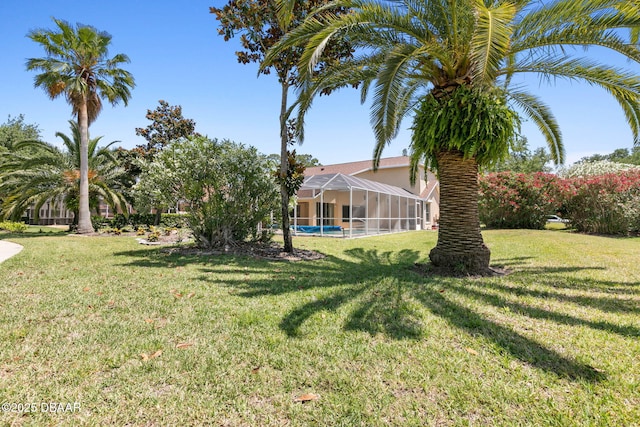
(450, 64)
(77, 65)
(36, 172)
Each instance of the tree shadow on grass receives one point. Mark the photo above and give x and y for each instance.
(386, 294)
(540, 313)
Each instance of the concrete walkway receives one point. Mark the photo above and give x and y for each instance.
(8, 249)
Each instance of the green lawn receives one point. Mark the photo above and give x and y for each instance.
(40, 229)
(135, 336)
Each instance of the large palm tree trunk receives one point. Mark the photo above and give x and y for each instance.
(84, 212)
(460, 248)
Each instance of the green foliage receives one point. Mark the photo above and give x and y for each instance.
(522, 160)
(477, 123)
(99, 222)
(227, 186)
(143, 220)
(620, 155)
(294, 177)
(262, 24)
(174, 220)
(167, 124)
(77, 65)
(36, 172)
(15, 130)
(13, 227)
(139, 219)
(305, 159)
(261, 27)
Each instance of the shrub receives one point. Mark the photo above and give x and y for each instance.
(227, 186)
(606, 204)
(119, 221)
(174, 220)
(153, 236)
(141, 219)
(13, 227)
(597, 168)
(516, 200)
(99, 222)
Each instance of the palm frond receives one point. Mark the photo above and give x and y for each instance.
(541, 115)
(491, 40)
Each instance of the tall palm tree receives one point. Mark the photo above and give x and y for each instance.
(36, 172)
(450, 64)
(78, 65)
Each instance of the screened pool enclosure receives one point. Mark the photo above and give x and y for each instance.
(337, 204)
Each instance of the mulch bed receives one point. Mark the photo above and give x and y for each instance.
(272, 252)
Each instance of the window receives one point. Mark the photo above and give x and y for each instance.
(358, 212)
(326, 213)
(346, 213)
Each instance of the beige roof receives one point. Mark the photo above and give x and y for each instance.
(353, 168)
(428, 191)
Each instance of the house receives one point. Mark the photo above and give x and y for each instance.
(352, 198)
(52, 212)
(55, 212)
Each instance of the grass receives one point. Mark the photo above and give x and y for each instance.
(47, 229)
(137, 336)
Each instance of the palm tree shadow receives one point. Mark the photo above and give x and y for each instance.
(380, 297)
(519, 346)
(386, 293)
(383, 309)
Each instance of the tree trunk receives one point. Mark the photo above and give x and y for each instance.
(460, 248)
(284, 167)
(84, 213)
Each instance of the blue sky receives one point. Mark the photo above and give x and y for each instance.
(176, 55)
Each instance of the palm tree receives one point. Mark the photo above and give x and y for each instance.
(36, 172)
(77, 65)
(451, 65)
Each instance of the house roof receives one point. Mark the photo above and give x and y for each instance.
(353, 168)
(428, 192)
(338, 181)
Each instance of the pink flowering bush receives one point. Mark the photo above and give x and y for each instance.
(517, 200)
(605, 204)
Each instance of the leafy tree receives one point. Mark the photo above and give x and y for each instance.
(167, 125)
(131, 161)
(227, 187)
(620, 155)
(308, 160)
(522, 160)
(305, 159)
(261, 27)
(78, 66)
(15, 130)
(37, 172)
(450, 64)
